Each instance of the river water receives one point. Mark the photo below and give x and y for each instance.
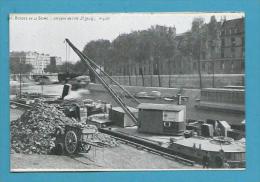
(191, 111)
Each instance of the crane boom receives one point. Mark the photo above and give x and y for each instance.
(111, 79)
(91, 67)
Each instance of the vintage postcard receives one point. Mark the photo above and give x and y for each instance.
(127, 91)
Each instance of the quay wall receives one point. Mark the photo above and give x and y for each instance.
(182, 81)
(193, 93)
(27, 78)
(98, 92)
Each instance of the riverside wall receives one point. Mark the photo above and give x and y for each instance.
(182, 81)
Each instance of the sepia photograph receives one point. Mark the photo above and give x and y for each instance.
(127, 91)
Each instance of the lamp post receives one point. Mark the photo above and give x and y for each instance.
(199, 48)
(20, 77)
(213, 74)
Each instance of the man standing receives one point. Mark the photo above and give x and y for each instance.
(205, 160)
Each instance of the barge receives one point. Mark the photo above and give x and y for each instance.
(209, 143)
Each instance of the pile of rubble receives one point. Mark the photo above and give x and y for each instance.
(106, 139)
(32, 132)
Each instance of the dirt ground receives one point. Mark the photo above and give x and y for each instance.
(121, 157)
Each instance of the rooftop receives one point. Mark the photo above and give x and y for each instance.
(119, 109)
(224, 89)
(234, 23)
(209, 144)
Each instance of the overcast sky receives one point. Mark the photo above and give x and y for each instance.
(45, 33)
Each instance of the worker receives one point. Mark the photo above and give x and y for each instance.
(226, 164)
(205, 160)
(74, 112)
(220, 159)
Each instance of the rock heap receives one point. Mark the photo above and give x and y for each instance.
(32, 132)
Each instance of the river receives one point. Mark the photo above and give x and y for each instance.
(191, 111)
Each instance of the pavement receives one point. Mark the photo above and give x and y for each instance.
(123, 157)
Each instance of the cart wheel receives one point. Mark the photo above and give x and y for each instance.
(71, 142)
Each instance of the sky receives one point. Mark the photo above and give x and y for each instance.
(45, 33)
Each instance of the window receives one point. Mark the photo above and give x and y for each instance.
(242, 66)
(222, 53)
(167, 124)
(203, 66)
(194, 66)
(233, 53)
(222, 65)
(203, 55)
(223, 42)
(233, 41)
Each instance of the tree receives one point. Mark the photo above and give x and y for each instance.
(66, 67)
(17, 66)
(213, 29)
(97, 50)
(197, 37)
(80, 68)
(51, 68)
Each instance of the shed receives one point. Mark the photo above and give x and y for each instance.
(119, 118)
(166, 119)
(207, 130)
(224, 128)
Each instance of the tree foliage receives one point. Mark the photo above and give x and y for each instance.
(68, 67)
(51, 69)
(17, 67)
(197, 36)
(155, 46)
(138, 47)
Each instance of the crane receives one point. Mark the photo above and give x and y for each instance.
(92, 66)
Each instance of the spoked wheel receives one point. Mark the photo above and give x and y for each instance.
(71, 142)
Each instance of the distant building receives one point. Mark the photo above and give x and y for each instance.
(37, 60)
(55, 61)
(232, 46)
(222, 54)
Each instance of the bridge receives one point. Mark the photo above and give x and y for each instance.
(50, 76)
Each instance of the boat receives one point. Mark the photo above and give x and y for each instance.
(79, 82)
(194, 144)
